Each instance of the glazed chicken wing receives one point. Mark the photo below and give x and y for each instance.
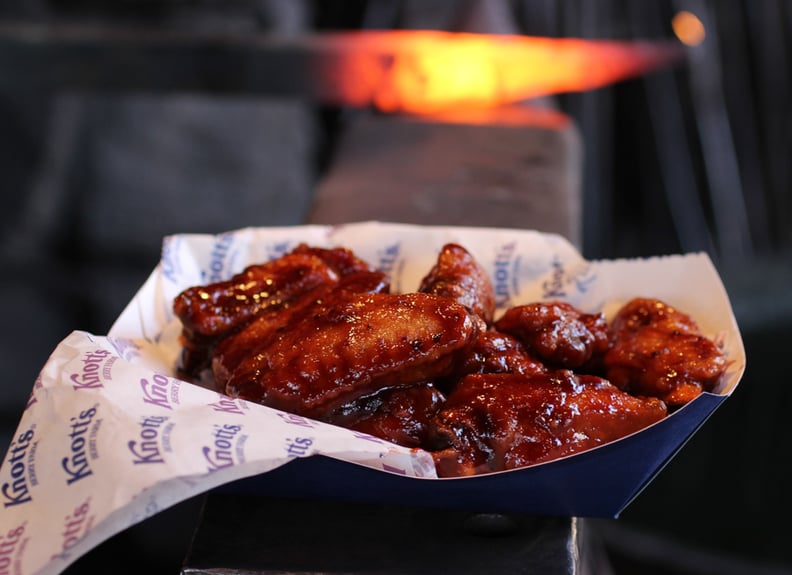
(210, 312)
(349, 345)
(659, 351)
(496, 352)
(557, 332)
(401, 415)
(458, 276)
(495, 422)
(222, 306)
(230, 351)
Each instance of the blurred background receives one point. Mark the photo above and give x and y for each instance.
(693, 157)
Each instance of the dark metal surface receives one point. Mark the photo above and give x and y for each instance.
(127, 59)
(260, 535)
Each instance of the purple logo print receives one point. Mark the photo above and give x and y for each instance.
(76, 464)
(147, 448)
(17, 491)
(227, 447)
(92, 372)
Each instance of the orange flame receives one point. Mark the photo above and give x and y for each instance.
(688, 28)
(426, 71)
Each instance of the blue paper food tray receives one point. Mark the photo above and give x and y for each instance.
(597, 483)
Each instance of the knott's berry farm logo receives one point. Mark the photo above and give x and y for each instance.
(91, 375)
(16, 491)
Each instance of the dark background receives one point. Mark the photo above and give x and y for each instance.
(694, 158)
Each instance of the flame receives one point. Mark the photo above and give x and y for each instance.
(688, 28)
(421, 72)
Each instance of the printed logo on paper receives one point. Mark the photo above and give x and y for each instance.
(152, 441)
(126, 348)
(563, 282)
(20, 465)
(392, 468)
(83, 431)
(299, 420)
(226, 447)
(298, 446)
(221, 259)
(32, 399)
(225, 404)
(160, 391)
(278, 249)
(368, 437)
(169, 262)
(96, 369)
(75, 525)
(387, 258)
(504, 277)
(12, 546)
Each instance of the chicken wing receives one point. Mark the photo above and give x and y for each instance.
(219, 307)
(210, 312)
(231, 350)
(495, 422)
(660, 351)
(401, 415)
(458, 275)
(349, 345)
(493, 352)
(557, 332)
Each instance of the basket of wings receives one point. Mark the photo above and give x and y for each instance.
(489, 369)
